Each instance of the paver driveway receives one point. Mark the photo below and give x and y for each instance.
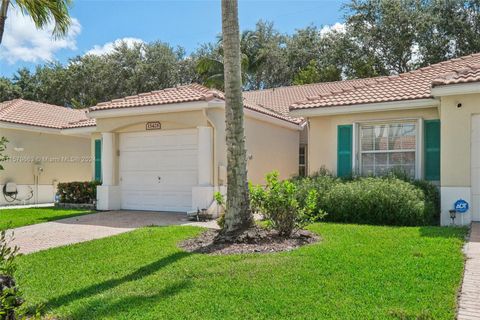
(93, 226)
(469, 302)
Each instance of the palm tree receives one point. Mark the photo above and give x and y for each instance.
(211, 70)
(42, 12)
(238, 215)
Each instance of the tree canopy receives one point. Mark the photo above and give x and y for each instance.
(378, 37)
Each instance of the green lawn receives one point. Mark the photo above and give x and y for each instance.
(13, 218)
(356, 272)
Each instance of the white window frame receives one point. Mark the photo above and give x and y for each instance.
(305, 148)
(356, 159)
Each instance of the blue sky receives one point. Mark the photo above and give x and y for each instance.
(98, 23)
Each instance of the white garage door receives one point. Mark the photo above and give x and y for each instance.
(158, 169)
(475, 167)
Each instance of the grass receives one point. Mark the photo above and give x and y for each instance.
(13, 218)
(356, 272)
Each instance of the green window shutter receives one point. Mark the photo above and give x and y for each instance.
(344, 150)
(432, 149)
(98, 160)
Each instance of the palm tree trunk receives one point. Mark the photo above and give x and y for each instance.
(238, 215)
(3, 17)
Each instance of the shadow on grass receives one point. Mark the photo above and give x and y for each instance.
(99, 288)
(444, 232)
(103, 307)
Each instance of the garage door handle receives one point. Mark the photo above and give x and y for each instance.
(159, 179)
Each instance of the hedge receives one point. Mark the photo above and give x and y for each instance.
(84, 192)
(374, 200)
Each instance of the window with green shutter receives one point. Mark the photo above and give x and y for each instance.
(432, 149)
(344, 150)
(98, 160)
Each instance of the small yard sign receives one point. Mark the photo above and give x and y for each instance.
(461, 206)
(153, 125)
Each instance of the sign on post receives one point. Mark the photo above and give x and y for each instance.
(461, 206)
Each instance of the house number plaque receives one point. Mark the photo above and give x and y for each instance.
(154, 125)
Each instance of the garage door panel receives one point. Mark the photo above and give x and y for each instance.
(158, 170)
(475, 167)
(149, 200)
(151, 161)
(151, 178)
(154, 141)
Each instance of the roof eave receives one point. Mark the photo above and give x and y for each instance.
(150, 109)
(75, 131)
(366, 107)
(37, 129)
(456, 89)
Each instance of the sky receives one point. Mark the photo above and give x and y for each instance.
(98, 24)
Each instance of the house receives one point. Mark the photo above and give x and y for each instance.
(165, 150)
(425, 122)
(47, 144)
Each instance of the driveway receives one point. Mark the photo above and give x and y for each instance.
(469, 300)
(93, 226)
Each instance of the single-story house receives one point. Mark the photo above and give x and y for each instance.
(426, 122)
(47, 144)
(165, 150)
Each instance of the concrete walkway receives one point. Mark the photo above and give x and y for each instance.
(93, 226)
(469, 300)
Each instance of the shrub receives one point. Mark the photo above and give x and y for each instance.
(78, 192)
(10, 297)
(321, 182)
(278, 203)
(380, 201)
(220, 200)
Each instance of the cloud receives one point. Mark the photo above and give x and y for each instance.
(337, 27)
(108, 47)
(22, 41)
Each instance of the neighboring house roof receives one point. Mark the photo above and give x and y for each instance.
(280, 99)
(463, 75)
(44, 115)
(186, 93)
(412, 85)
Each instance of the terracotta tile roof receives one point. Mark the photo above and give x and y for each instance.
(280, 99)
(462, 75)
(186, 93)
(407, 86)
(44, 115)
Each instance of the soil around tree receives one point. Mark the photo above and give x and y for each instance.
(253, 240)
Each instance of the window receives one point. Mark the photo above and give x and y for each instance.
(388, 146)
(302, 161)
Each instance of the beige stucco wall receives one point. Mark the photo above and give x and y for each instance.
(272, 147)
(49, 149)
(322, 133)
(456, 133)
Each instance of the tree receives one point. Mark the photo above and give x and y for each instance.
(42, 13)
(8, 90)
(312, 74)
(238, 215)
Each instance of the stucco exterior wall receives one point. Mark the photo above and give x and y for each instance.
(63, 158)
(322, 133)
(456, 138)
(271, 148)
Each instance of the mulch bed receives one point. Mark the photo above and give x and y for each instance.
(255, 240)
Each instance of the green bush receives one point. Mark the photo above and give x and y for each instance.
(278, 203)
(380, 201)
(78, 192)
(321, 182)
